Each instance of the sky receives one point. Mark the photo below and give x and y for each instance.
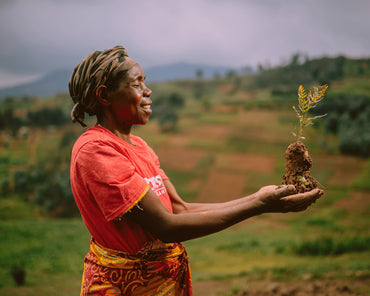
(41, 36)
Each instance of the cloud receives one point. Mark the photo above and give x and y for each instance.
(40, 36)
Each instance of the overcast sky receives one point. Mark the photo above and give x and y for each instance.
(40, 36)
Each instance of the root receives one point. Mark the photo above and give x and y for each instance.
(297, 168)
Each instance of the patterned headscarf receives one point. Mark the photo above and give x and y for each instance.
(98, 68)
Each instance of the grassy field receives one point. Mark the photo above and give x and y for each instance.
(229, 148)
(330, 240)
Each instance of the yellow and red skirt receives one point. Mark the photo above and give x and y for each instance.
(156, 269)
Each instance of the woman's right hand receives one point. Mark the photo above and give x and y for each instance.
(282, 199)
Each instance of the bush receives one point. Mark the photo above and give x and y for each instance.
(354, 134)
(47, 116)
(166, 108)
(327, 246)
(68, 139)
(9, 121)
(21, 180)
(347, 116)
(54, 194)
(19, 274)
(5, 187)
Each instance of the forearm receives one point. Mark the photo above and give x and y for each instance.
(180, 206)
(200, 207)
(171, 227)
(193, 225)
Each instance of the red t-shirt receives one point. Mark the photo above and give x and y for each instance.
(108, 177)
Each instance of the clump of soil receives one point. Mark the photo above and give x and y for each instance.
(297, 168)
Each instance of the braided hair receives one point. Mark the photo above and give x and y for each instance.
(98, 68)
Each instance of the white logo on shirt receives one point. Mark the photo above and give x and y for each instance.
(156, 184)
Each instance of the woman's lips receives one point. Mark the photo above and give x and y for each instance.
(146, 108)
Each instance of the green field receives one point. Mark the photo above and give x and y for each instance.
(236, 137)
(331, 239)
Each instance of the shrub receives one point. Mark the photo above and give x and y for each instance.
(19, 274)
(68, 139)
(348, 118)
(327, 246)
(54, 194)
(21, 180)
(166, 108)
(47, 116)
(5, 187)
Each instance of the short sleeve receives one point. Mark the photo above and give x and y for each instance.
(110, 177)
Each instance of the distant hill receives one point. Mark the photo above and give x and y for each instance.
(184, 70)
(48, 85)
(58, 81)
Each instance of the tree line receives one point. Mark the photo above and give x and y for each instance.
(348, 117)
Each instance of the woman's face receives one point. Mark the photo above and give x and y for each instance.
(130, 103)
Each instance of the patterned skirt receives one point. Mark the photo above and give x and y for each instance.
(156, 269)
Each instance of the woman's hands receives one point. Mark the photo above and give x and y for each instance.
(281, 199)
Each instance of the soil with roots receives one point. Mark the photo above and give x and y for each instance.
(298, 165)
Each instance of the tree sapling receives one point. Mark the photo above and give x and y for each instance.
(297, 160)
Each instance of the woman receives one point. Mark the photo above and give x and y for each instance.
(133, 212)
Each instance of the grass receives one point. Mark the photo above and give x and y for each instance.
(13, 208)
(362, 180)
(181, 183)
(322, 242)
(272, 246)
(325, 241)
(46, 249)
(328, 246)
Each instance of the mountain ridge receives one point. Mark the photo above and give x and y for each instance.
(57, 81)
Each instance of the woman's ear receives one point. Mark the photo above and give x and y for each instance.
(102, 95)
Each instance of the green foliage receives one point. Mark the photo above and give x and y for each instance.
(362, 180)
(47, 116)
(327, 246)
(22, 103)
(266, 247)
(301, 70)
(181, 181)
(51, 190)
(166, 108)
(54, 194)
(42, 247)
(21, 181)
(326, 69)
(240, 246)
(199, 85)
(68, 138)
(14, 208)
(5, 186)
(9, 121)
(19, 274)
(349, 119)
(44, 183)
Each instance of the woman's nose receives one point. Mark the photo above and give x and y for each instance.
(147, 92)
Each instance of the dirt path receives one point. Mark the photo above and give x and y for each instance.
(221, 187)
(357, 202)
(179, 158)
(346, 168)
(245, 162)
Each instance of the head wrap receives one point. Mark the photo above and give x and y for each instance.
(98, 68)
